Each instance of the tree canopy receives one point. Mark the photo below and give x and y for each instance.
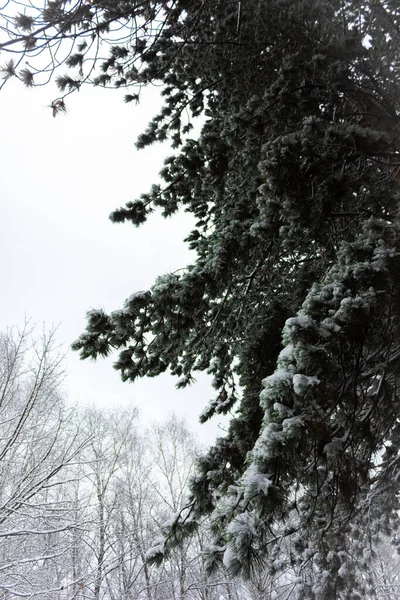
(292, 303)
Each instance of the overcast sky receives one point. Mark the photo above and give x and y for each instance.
(61, 256)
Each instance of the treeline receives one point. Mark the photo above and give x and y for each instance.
(85, 493)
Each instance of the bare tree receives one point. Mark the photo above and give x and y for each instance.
(385, 569)
(174, 451)
(113, 442)
(39, 441)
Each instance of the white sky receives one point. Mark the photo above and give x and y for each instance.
(61, 256)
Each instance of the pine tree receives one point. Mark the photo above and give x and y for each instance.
(292, 304)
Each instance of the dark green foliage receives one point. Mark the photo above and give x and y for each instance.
(293, 185)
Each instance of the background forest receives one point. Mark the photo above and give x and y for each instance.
(84, 492)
